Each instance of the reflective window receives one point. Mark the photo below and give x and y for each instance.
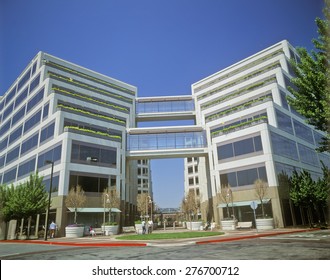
(165, 106)
(46, 111)
(283, 146)
(8, 111)
(12, 155)
(81, 152)
(34, 83)
(19, 115)
(238, 148)
(23, 80)
(243, 177)
(3, 144)
(308, 155)
(284, 122)
(35, 100)
(47, 132)
(30, 143)
(26, 167)
(10, 95)
(52, 155)
(9, 176)
(2, 162)
(154, 141)
(318, 138)
(55, 183)
(21, 97)
(303, 131)
(15, 134)
(32, 121)
(5, 127)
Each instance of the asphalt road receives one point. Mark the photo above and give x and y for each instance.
(302, 246)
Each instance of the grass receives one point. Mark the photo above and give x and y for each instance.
(171, 235)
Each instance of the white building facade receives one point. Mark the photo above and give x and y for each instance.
(86, 124)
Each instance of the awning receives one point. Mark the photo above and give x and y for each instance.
(242, 203)
(95, 210)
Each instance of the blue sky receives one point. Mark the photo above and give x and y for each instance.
(160, 46)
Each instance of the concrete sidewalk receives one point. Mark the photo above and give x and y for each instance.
(111, 241)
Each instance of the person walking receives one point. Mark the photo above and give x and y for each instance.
(52, 229)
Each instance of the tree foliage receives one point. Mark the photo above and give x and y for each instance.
(76, 199)
(312, 81)
(27, 199)
(310, 194)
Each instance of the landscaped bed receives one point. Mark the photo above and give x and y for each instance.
(171, 235)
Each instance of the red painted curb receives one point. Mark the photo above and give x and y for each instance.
(77, 244)
(257, 235)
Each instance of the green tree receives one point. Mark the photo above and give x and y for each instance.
(25, 200)
(309, 194)
(311, 92)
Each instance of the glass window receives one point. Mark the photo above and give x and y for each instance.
(15, 134)
(34, 83)
(9, 176)
(47, 132)
(21, 97)
(10, 95)
(46, 111)
(247, 177)
(23, 80)
(52, 155)
(12, 155)
(2, 162)
(191, 181)
(284, 122)
(30, 143)
(257, 143)
(35, 100)
(32, 121)
(283, 146)
(225, 151)
(55, 183)
(303, 132)
(3, 144)
(5, 127)
(18, 116)
(228, 179)
(27, 167)
(8, 111)
(308, 155)
(243, 147)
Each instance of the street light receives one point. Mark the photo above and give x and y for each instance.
(49, 197)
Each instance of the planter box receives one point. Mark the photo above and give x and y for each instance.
(194, 225)
(138, 228)
(228, 224)
(265, 224)
(110, 230)
(74, 231)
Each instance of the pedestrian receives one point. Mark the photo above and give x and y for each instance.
(92, 231)
(52, 229)
(143, 227)
(150, 226)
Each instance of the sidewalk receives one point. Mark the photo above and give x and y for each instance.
(111, 241)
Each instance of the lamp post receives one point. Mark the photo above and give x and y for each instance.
(49, 197)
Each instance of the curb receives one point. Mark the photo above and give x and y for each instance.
(257, 235)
